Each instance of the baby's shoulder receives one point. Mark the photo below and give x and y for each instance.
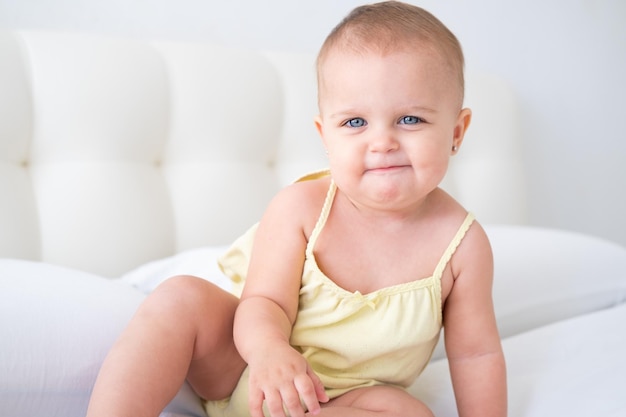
(474, 246)
(455, 218)
(302, 199)
(307, 191)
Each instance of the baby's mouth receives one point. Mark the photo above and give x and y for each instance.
(387, 168)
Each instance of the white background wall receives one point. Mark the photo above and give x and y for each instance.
(566, 60)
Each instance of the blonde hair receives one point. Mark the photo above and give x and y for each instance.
(392, 26)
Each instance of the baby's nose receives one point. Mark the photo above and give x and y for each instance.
(383, 141)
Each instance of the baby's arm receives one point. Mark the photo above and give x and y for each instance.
(279, 375)
(472, 341)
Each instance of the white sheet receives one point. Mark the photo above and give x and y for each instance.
(572, 368)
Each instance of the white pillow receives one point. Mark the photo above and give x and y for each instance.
(56, 326)
(545, 275)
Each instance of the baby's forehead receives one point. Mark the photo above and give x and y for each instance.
(337, 60)
(339, 63)
(426, 50)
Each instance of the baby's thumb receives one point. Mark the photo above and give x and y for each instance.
(320, 392)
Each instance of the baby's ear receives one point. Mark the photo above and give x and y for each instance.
(319, 125)
(462, 124)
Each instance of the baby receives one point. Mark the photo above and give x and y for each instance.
(353, 271)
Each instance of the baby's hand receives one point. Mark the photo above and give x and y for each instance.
(284, 380)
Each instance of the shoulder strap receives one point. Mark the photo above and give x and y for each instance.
(321, 220)
(454, 244)
(314, 175)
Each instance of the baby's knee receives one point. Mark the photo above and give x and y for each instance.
(196, 297)
(186, 285)
(401, 404)
(387, 401)
(182, 289)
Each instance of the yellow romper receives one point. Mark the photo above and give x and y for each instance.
(352, 340)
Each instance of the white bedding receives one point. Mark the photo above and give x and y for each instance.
(56, 326)
(575, 367)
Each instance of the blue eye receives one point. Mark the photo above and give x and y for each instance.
(356, 122)
(410, 120)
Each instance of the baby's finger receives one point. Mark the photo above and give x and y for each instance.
(306, 388)
(319, 386)
(274, 404)
(255, 402)
(292, 403)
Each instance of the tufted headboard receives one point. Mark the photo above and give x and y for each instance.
(115, 152)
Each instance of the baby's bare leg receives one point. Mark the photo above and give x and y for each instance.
(378, 401)
(182, 330)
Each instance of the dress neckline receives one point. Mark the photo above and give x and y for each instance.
(435, 278)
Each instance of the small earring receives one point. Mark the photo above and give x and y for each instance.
(454, 148)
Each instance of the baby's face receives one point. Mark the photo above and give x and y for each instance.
(389, 123)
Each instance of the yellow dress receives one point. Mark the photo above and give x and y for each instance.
(352, 340)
